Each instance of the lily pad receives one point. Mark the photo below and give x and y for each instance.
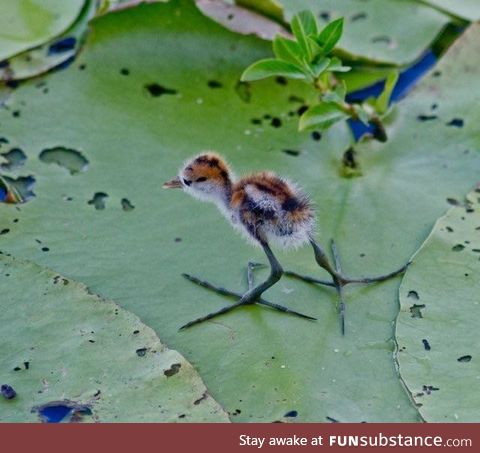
(64, 348)
(28, 23)
(466, 9)
(52, 53)
(137, 119)
(437, 348)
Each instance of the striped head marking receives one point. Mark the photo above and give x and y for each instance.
(206, 176)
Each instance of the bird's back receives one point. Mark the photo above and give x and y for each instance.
(271, 208)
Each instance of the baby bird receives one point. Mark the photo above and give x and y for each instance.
(267, 209)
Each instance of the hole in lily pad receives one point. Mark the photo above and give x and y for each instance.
(383, 38)
(74, 161)
(58, 411)
(426, 117)
(127, 205)
(465, 358)
(317, 136)
(141, 352)
(458, 247)
(214, 84)
(125, 71)
(428, 389)
(332, 420)
(358, 16)
(413, 295)
(291, 414)
(296, 99)
(453, 201)
(302, 109)
(203, 397)
(98, 200)
(63, 45)
(8, 391)
(350, 167)
(325, 15)
(426, 345)
(276, 122)
(157, 90)
(174, 369)
(456, 122)
(16, 190)
(416, 310)
(291, 152)
(15, 158)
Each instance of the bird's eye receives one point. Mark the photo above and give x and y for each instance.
(201, 179)
(187, 182)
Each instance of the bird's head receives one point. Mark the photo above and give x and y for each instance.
(206, 177)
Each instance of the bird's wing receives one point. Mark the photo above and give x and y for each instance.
(262, 200)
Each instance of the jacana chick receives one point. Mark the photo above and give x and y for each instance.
(267, 209)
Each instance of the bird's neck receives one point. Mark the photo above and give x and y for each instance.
(226, 194)
(224, 197)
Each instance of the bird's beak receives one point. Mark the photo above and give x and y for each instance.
(174, 183)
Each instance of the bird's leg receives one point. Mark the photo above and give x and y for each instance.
(338, 287)
(339, 280)
(253, 294)
(337, 276)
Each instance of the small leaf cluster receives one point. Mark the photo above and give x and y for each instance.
(308, 58)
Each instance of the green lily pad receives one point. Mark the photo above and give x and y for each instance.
(63, 48)
(50, 54)
(242, 20)
(136, 119)
(437, 348)
(63, 346)
(28, 23)
(466, 9)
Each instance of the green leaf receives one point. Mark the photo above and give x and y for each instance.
(439, 313)
(321, 116)
(315, 49)
(320, 66)
(301, 34)
(384, 99)
(309, 22)
(337, 66)
(330, 35)
(287, 50)
(272, 67)
(136, 257)
(62, 343)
